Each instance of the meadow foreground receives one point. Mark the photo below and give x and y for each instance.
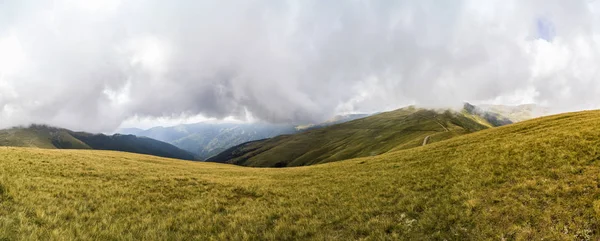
(532, 180)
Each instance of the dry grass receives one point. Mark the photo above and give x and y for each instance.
(534, 180)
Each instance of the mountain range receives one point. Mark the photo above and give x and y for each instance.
(374, 135)
(205, 140)
(264, 144)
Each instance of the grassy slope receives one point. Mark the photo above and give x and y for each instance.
(538, 179)
(41, 136)
(401, 129)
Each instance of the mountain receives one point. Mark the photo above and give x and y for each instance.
(207, 139)
(516, 113)
(42, 136)
(532, 180)
(494, 118)
(374, 135)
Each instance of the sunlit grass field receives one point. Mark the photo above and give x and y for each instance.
(534, 180)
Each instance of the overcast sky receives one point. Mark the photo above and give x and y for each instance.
(96, 64)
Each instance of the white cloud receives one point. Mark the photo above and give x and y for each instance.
(120, 96)
(12, 56)
(148, 52)
(95, 65)
(91, 6)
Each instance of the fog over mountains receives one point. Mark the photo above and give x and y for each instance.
(214, 141)
(207, 139)
(92, 65)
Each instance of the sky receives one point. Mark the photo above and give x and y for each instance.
(98, 65)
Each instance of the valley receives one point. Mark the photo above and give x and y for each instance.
(206, 140)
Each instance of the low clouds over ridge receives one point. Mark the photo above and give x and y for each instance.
(92, 65)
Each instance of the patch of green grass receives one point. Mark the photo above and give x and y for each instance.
(534, 180)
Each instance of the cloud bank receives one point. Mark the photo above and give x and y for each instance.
(91, 65)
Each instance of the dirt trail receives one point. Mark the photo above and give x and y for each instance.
(445, 129)
(426, 140)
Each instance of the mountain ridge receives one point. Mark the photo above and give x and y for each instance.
(400, 129)
(43, 136)
(206, 139)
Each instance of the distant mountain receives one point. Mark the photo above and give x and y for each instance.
(42, 136)
(395, 130)
(499, 115)
(493, 118)
(207, 139)
(516, 113)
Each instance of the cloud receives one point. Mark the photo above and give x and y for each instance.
(93, 65)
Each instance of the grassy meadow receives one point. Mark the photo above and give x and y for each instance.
(534, 180)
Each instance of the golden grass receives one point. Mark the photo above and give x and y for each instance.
(534, 180)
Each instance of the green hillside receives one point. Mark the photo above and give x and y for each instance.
(42, 136)
(534, 180)
(400, 129)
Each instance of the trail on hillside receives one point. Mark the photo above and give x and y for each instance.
(426, 140)
(435, 119)
(438, 122)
